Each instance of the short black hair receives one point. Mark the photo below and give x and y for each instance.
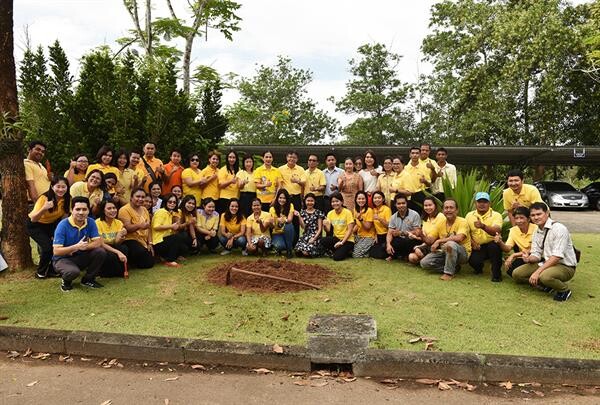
(515, 173)
(36, 142)
(80, 199)
(441, 149)
(400, 196)
(538, 206)
(521, 211)
(330, 154)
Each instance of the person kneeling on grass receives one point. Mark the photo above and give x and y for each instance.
(453, 243)
(552, 260)
(257, 229)
(519, 239)
(233, 228)
(339, 222)
(77, 246)
(207, 225)
(282, 216)
(169, 243)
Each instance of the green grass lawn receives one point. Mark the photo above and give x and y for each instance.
(467, 314)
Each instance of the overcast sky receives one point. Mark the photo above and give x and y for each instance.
(317, 35)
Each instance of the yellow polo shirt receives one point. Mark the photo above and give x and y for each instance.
(428, 170)
(273, 175)
(160, 218)
(255, 226)
(76, 176)
(37, 173)
(49, 217)
(80, 189)
(366, 216)
(522, 240)
(103, 169)
(460, 226)
(250, 186)
(316, 178)
(210, 189)
(429, 225)
(528, 195)
(383, 212)
(127, 213)
(490, 218)
(109, 232)
(232, 190)
(193, 175)
(287, 174)
(340, 222)
(232, 226)
(385, 183)
(412, 177)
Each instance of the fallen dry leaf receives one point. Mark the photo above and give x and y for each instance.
(429, 345)
(508, 385)
(13, 354)
(85, 359)
(454, 304)
(113, 362)
(324, 373)
(285, 317)
(427, 381)
(443, 386)
(414, 340)
(208, 303)
(172, 379)
(65, 358)
(349, 379)
(107, 402)
(327, 300)
(297, 374)
(388, 381)
(302, 382)
(31, 384)
(27, 352)
(262, 371)
(277, 348)
(198, 367)
(41, 356)
(539, 394)
(319, 384)
(3, 318)
(536, 322)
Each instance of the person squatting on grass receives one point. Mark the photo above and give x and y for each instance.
(232, 228)
(552, 260)
(78, 246)
(169, 243)
(282, 215)
(112, 232)
(136, 219)
(50, 208)
(484, 225)
(404, 230)
(453, 244)
(340, 225)
(519, 239)
(258, 223)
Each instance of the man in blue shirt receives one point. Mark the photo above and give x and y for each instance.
(77, 245)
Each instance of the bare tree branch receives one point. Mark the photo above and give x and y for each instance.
(171, 9)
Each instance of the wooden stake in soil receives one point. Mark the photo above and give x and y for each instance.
(251, 273)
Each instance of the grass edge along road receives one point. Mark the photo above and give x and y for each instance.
(468, 314)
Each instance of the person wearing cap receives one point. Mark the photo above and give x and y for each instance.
(484, 224)
(452, 245)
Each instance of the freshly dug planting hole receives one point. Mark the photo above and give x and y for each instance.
(308, 273)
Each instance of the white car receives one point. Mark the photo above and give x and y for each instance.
(558, 194)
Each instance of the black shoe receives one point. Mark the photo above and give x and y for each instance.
(66, 286)
(289, 254)
(562, 296)
(91, 284)
(543, 288)
(40, 276)
(478, 271)
(53, 274)
(496, 279)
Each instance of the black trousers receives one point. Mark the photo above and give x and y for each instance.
(139, 256)
(70, 267)
(296, 199)
(222, 204)
(515, 263)
(326, 204)
(246, 203)
(112, 266)
(416, 202)
(340, 253)
(489, 251)
(172, 247)
(42, 234)
(403, 246)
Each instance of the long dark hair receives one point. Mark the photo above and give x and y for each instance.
(369, 152)
(102, 206)
(382, 196)
(184, 201)
(76, 170)
(166, 198)
(239, 217)
(282, 209)
(424, 215)
(117, 155)
(51, 195)
(366, 206)
(103, 151)
(233, 169)
(102, 185)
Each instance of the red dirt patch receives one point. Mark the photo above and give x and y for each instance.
(308, 273)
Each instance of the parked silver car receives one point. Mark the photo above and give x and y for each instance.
(558, 194)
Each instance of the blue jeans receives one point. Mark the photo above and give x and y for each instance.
(239, 242)
(284, 241)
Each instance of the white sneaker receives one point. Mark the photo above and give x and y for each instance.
(225, 252)
(244, 252)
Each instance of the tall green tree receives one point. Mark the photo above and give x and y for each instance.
(274, 108)
(201, 15)
(378, 98)
(501, 71)
(213, 124)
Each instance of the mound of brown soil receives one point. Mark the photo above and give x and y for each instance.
(308, 273)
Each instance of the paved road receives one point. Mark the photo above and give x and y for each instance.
(579, 221)
(27, 381)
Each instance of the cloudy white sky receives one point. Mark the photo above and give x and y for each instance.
(317, 35)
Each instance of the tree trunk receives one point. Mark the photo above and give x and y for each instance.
(187, 55)
(15, 242)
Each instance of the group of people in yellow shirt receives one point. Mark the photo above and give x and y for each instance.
(144, 208)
